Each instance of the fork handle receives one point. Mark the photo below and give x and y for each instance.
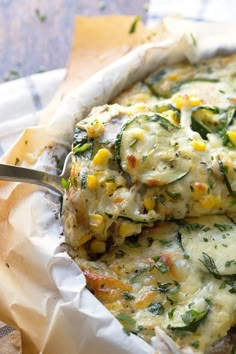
(26, 175)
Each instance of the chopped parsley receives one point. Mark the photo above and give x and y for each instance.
(194, 42)
(128, 296)
(224, 170)
(123, 317)
(229, 263)
(195, 343)
(223, 227)
(134, 24)
(171, 313)
(65, 183)
(190, 227)
(160, 265)
(174, 195)
(192, 317)
(17, 160)
(167, 243)
(137, 273)
(79, 149)
(40, 15)
(209, 263)
(156, 308)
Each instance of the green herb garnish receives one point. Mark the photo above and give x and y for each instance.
(209, 263)
(160, 265)
(79, 149)
(192, 318)
(174, 195)
(166, 242)
(223, 227)
(229, 263)
(195, 343)
(156, 308)
(193, 40)
(126, 319)
(128, 296)
(134, 24)
(223, 171)
(40, 16)
(65, 183)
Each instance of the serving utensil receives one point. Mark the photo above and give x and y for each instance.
(27, 175)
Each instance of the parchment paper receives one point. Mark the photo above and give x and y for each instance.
(42, 290)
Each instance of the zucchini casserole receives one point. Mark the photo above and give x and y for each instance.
(150, 205)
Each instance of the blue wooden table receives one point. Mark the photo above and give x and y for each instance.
(36, 35)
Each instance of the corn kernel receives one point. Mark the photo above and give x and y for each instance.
(92, 182)
(232, 136)
(198, 145)
(209, 202)
(173, 76)
(137, 133)
(97, 246)
(140, 107)
(129, 229)
(178, 101)
(141, 97)
(199, 190)
(195, 101)
(95, 129)
(149, 203)
(102, 157)
(83, 239)
(110, 188)
(96, 223)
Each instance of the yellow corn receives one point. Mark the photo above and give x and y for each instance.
(149, 203)
(232, 136)
(195, 100)
(83, 239)
(102, 157)
(198, 145)
(199, 190)
(128, 229)
(96, 223)
(110, 188)
(186, 101)
(92, 182)
(209, 202)
(173, 76)
(141, 97)
(137, 133)
(178, 101)
(97, 246)
(95, 129)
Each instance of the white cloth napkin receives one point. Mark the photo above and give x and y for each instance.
(22, 100)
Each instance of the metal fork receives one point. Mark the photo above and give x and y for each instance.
(26, 175)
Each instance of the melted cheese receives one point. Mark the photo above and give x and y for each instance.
(163, 150)
(160, 294)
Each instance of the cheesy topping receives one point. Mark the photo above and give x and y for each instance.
(149, 209)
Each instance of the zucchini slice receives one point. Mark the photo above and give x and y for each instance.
(212, 119)
(148, 148)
